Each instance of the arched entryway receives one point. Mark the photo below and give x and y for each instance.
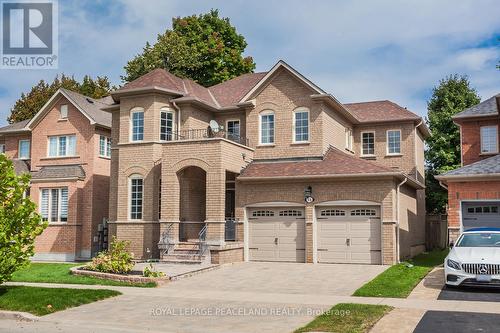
(192, 208)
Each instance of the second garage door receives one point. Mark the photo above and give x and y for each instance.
(484, 214)
(349, 235)
(277, 234)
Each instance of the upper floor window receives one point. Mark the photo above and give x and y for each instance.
(137, 125)
(367, 143)
(267, 127)
(166, 125)
(348, 138)
(63, 112)
(301, 125)
(394, 142)
(64, 145)
(24, 149)
(104, 146)
(233, 129)
(54, 204)
(2, 148)
(489, 139)
(136, 195)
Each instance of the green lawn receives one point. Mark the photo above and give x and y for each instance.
(59, 273)
(399, 280)
(347, 318)
(42, 301)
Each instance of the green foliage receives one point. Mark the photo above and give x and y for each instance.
(19, 222)
(204, 48)
(150, 271)
(453, 95)
(116, 260)
(30, 103)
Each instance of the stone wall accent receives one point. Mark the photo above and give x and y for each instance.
(119, 277)
(232, 253)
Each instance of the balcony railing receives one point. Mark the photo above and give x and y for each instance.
(200, 134)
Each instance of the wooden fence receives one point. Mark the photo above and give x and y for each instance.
(436, 231)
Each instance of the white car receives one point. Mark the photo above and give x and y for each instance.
(474, 260)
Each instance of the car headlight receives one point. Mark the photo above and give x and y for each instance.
(453, 264)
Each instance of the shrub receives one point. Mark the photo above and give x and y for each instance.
(19, 222)
(116, 260)
(150, 271)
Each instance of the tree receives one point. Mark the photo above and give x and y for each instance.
(453, 95)
(30, 103)
(19, 222)
(204, 48)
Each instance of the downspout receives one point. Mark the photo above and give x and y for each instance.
(176, 107)
(397, 219)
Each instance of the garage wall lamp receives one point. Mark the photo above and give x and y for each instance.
(308, 194)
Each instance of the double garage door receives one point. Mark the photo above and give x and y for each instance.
(343, 234)
(480, 214)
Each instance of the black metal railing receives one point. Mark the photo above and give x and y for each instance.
(201, 134)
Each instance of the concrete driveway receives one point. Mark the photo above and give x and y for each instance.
(244, 297)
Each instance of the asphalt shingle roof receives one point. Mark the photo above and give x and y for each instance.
(375, 111)
(20, 166)
(487, 166)
(487, 107)
(92, 107)
(59, 171)
(14, 127)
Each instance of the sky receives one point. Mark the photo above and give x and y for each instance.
(356, 50)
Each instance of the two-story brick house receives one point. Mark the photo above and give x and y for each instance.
(305, 177)
(474, 189)
(66, 148)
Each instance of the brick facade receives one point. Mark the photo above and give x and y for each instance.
(471, 138)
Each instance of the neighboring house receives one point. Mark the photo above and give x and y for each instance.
(474, 189)
(294, 175)
(66, 148)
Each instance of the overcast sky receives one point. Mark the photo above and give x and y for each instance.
(356, 50)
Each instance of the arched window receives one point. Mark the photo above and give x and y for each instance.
(167, 123)
(301, 125)
(137, 124)
(136, 194)
(266, 127)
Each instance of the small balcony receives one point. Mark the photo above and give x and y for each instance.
(202, 134)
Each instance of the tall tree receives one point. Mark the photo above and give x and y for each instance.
(30, 103)
(205, 48)
(451, 96)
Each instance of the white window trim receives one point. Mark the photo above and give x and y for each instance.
(481, 140)
(266, 113)
(361, 144)
(301, 110)
(57, 148)
(129, 205)
(60, 112)
(49, 208)
(387, 142)
(2, 148)
(106, 143)
(131, 125)
(167, 110)
(232, 120)
(349, 138)
(19, 149)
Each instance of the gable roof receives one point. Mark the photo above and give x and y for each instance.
(89, 107)
(489, 107)
(232, 91)
(375, 111)
(18, 127)
(487, 167)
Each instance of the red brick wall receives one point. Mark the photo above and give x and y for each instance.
(471, 139)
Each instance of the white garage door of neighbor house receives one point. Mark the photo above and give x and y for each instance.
(277, 234)
(349, 235)
(484, 214)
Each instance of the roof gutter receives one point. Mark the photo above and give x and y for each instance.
(467, 177)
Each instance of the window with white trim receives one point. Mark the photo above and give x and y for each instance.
(393, 142)
(363, 212)
(348, 138)
(368, 143)
(267, 127)
(24, 149)
(489, 139)
(104, 146)
(233, 129)
(301, 125)
(291, 212)
(166, 125)
(332, 212)
(63, 145)
(259, 213)
(54, 204)
(63, 111)
(2, 148)
(136, 196)
(137, 125)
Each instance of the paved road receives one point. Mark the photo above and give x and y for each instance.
(470, 294)
(458, 322)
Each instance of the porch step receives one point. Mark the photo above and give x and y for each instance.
(187, 246)
(186, 251)
(168, 259)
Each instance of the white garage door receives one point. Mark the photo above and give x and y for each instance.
(349, 235)
(277, 234)
(484, 214)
